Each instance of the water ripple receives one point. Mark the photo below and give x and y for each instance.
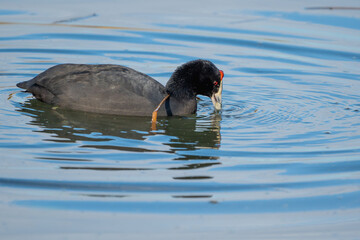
(161, 187)
(286, 140)
(317, 53)
(320, 203)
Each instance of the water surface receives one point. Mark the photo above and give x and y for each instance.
(280, 161)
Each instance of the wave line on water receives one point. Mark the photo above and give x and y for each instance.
(166, 187)
(80, 26)
(315, 203)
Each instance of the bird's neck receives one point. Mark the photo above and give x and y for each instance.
(180, 84)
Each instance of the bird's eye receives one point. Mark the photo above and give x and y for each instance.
(216, 83)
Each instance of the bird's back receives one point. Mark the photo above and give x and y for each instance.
(111, 89)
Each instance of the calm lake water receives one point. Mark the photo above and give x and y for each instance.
(280, 161)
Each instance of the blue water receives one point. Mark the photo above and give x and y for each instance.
(280, 161)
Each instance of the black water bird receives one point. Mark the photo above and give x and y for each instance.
(115, 89)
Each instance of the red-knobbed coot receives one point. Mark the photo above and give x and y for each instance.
(115, 89)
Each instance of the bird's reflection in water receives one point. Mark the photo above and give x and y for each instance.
(185, 133)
